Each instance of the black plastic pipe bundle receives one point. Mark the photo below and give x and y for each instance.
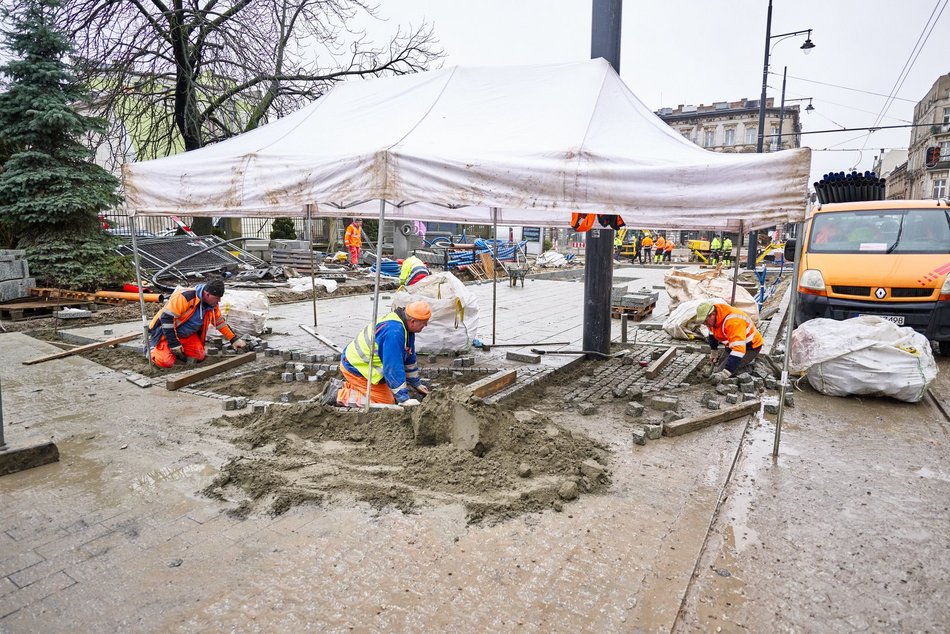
(838, 187)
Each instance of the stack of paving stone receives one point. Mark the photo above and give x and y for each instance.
(15, 280)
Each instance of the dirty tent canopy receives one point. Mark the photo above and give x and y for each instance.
(535, 142)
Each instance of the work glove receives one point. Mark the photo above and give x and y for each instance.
(410, 402)
(422, 390)
(179, 353)
(713, 357)
(238, 344)
(718, 377)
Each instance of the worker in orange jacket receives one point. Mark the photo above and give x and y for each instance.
(734, 329)
(179, 329)
(668, 251)
(660, 244)
(646, 248)
(353, 240)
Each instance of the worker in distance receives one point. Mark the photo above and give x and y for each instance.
(178, 330)
(734, 329)
(393, 354)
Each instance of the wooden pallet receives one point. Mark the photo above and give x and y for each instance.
(18, 311)
(636, 313)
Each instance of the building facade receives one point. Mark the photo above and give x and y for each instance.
(733, 126)
(928, 160)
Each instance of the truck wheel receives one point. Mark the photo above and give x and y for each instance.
(944, 348)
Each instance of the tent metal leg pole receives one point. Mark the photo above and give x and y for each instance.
(372, 335)
(494, 290)
(735, 267)
(789, 327)
(138, 280)
(313, 269)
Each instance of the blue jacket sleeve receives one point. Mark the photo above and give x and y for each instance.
(391, 351)
(412, 367)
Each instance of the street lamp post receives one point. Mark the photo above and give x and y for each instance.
(807, 46)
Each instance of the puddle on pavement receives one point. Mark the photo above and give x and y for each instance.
(150, 482)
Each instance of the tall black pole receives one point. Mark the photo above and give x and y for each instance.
(754, 235)
(598, 252)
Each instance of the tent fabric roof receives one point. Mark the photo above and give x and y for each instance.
(537, 142)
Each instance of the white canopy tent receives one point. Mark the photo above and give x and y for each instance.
(535, 142)
(525, 145)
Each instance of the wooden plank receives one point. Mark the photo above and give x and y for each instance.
(91, 346)
(657, 366)
(694, 423)
(210, 370)
(494, 383)
(487, 264)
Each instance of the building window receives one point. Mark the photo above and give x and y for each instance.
(730, 138)
(773, 140)
(940, 188)
(751, 135)
(709, 138)
(946, 115)
(945, 150)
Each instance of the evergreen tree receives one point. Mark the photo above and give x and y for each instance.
(50, 190)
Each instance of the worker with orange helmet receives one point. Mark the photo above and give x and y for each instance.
(393, 354)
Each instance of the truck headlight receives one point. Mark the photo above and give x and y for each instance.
(945, 289)
(812, 280)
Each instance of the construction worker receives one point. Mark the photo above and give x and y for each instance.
(734, 329)
(635, 247)
(178, 330)
(715, 248)
(660, 244)
(413, 270)
(668, 251)
(353, 240)
(394, 360)
(727, 250)
(646, 248)
(618, 242)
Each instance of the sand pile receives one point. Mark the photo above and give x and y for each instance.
(309, 453)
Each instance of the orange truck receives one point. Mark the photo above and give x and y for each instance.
(887, 258)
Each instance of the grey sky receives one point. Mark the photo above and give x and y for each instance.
(701, 51)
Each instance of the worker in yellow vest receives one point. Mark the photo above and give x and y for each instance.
(715, 248)
(394, 360)
(727, 251)
(413, 270)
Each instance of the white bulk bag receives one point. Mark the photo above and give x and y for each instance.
(245, 311)
(454, 322)
(863, 355)
(705, 284)
(682, 322)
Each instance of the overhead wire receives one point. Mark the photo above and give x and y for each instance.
(911, 60)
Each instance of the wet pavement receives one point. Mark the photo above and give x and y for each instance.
(848, 530)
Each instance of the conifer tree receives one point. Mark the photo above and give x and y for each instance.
(51, 192)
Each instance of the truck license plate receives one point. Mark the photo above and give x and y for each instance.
(897, 319)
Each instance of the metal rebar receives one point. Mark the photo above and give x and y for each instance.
(789, 327)
(138, 280)
(313, 272)
(494, 290)
(372, 330)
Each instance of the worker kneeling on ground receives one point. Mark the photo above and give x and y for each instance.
(733, 328)
(413, 270)
(178, 330)
(394, 360)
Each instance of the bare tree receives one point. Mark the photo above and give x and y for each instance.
(179, 74)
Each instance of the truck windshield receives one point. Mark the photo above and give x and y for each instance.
(881, 231)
